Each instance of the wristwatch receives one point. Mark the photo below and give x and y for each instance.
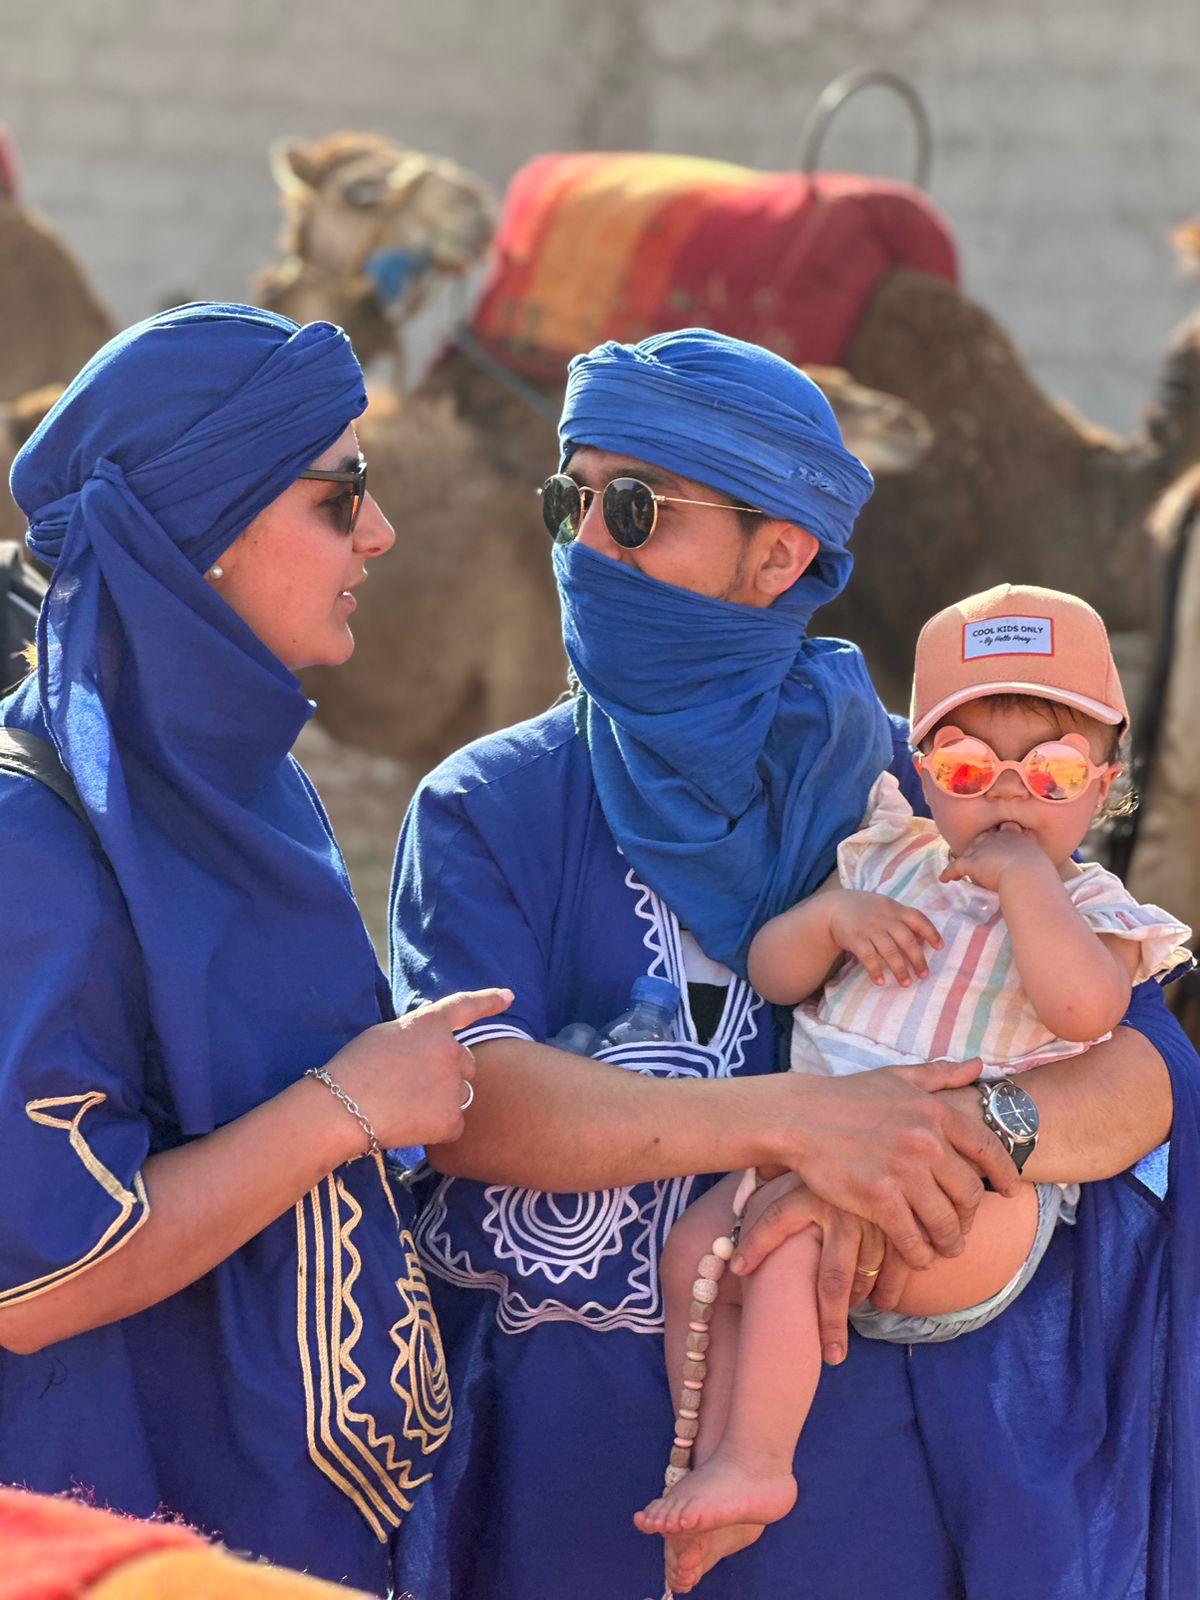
(1010, 1113)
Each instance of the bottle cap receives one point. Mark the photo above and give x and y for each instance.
(658, 991)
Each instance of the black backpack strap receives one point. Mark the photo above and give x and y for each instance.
(21, 593)
(27, 756)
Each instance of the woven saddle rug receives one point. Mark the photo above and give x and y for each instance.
(593, 246)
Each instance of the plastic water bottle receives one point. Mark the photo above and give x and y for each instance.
(653, 1003)
(577, 1038)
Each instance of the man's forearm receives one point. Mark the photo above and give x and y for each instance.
(1100, 1112)
(542, 1119)
(882, 1145)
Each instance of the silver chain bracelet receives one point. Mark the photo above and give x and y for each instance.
(351, 1106)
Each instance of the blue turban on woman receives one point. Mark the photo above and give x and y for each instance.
(731, 752)
(171, 716)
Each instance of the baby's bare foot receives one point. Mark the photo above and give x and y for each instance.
(720, 1492)
(691, 1555)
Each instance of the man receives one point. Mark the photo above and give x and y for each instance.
(698, 782)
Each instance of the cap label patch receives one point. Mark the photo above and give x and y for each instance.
(1008, 636)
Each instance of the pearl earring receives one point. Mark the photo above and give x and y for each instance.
(216, 572)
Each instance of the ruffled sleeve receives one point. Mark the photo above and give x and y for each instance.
(72, 1034)
(888, 823)
(1107, 907)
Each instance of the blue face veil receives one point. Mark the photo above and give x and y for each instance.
(172, 717)
(731, 752)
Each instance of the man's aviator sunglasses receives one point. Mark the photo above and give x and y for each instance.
(630, 509)
(1056, 770)
(356, 477)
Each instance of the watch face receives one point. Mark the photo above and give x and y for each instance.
(1015, 1111)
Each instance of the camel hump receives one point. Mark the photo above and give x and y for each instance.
(593, 246)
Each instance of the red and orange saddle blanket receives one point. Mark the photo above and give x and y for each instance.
(592, 247)
(59, 1549)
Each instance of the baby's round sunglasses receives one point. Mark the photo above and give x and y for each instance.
(965, 767)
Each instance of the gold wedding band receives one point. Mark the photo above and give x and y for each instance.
(470, 1096)
(869, 1272)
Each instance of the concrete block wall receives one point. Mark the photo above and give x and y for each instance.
(1067, 133)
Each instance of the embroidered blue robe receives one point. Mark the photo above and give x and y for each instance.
(1050, 1455)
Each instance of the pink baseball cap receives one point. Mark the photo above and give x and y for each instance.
(1015, 639)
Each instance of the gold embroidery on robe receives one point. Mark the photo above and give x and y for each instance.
(345, 1439)
(132, 1205)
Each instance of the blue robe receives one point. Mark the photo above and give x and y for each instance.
(293, 1399)
(1050, 1455)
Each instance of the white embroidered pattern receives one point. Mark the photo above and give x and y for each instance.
(554, 1257)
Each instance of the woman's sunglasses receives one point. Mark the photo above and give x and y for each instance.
(356, 476)
(630, 509)
(1060, 769)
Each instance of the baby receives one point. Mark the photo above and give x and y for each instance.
(971, 935)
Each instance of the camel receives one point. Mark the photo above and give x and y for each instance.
(50, 320)
(1016, 485)
(478, 645)
(1156, 851)
(50, 323)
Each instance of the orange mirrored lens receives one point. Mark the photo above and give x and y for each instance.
(1056, 772)
(963, 769)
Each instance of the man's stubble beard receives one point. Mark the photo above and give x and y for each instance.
(737, 584)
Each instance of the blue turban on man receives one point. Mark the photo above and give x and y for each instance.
(731, 752)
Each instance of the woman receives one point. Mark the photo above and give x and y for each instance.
(207, 1301)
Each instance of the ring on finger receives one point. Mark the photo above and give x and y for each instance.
(868, 1272)
(470, 1087)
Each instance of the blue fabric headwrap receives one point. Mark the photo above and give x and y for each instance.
(731, 753)
(172, 717)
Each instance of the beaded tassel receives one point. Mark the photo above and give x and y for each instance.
(695, 1366)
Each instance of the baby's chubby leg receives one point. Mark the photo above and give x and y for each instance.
(997, 1247)
(743, 1474)
(710, 1218)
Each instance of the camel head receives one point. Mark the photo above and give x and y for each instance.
(886, 433)
(375, 217)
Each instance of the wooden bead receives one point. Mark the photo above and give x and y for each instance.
(698, 1343)
(711, 1267)
(672, 1476)
(681, 1458)
(723, 1247)
(686, 1429)
(701, 1312)
(705, 1291)
(695, 1371)
(689, 1400)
